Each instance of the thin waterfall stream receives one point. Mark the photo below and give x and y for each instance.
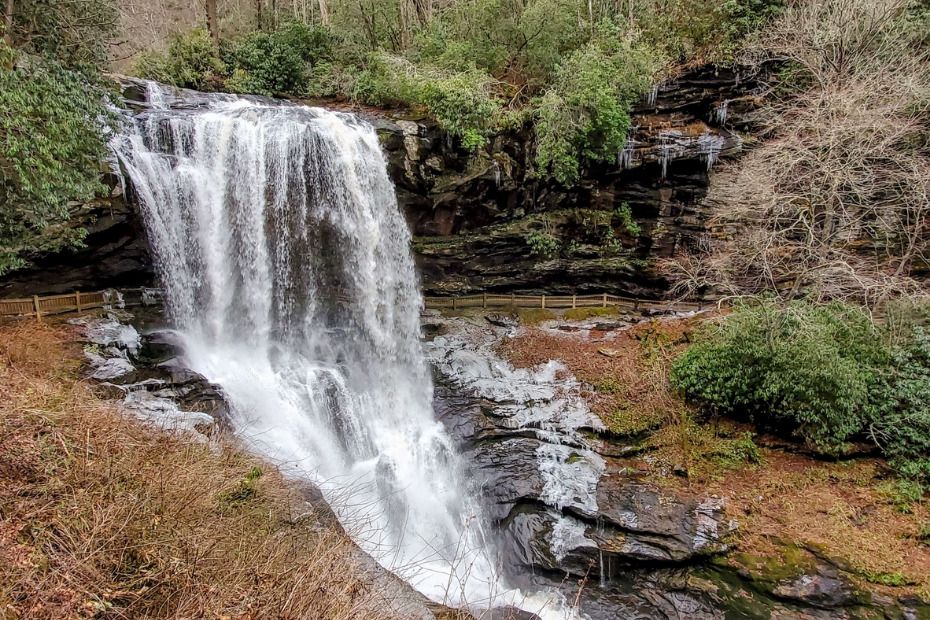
(287, 272)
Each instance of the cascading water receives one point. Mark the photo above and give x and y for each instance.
(287, 271)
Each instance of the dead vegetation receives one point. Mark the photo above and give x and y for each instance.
(836, 198)
(628, 373)
(844, 511)
(101, 517)
(791, 508)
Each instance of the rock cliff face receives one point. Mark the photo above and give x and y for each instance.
(473, 214)
(115, 253)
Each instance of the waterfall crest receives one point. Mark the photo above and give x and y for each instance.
(287, 271)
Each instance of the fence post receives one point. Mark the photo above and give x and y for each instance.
(542, 302)
(77, 300)
(453, 302)
(484, 299)
(605, 300)
(35, 304)
(513, 300)
(573, 301)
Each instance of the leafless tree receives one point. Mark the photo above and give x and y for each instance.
(213, 24)
(836, 199)
(8, 22)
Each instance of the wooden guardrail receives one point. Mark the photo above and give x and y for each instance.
(54, 304)
(78, 302)
(600, 300)
(39, 306)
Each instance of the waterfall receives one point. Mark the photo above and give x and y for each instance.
(286, 270)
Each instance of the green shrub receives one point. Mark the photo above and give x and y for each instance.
(543, 244)
(461, 101)
(462, 104)
(585, 113)
(625, 216)
(901, 425)
(610, 244)
(52, 126)
(825, 373)
(800, 368)
(191, 61)
(278, 62)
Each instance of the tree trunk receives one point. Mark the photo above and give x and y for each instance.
(212, 24)
(324, 12)
(8, 23)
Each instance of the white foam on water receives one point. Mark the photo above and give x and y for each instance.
(286, 268)
(545, 400)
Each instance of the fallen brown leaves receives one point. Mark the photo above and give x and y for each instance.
(630, 386)
(844, 511)
(101, 517)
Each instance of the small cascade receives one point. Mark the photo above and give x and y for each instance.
(626, 156)
(709, 146)
(653, 95)
(668, 148)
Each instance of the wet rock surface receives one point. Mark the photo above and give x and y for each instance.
(618, 544)
(115, 254)
(145, 373)
(472, 211)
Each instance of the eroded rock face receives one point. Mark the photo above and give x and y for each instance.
(562, 511)
(609, 539)
(116, 253)
(471, 213)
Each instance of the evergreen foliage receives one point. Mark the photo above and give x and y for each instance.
(585, 114)
(190, 61)
(575, 67)
(53, 123)
(825, 373)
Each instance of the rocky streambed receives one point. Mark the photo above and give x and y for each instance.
(566, 512)
(569, 514)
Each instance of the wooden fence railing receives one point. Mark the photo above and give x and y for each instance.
(77, 302)
(600, 300)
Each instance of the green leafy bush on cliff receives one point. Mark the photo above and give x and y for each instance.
(279, 62)
(825, 373)
(902, 430)
(190, 61)
(801, 368)
(585, 113)
(461, 101)
(51, 146)
(53, 123)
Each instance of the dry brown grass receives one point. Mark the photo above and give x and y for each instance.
(101, 517)
(630, 390)
(839, 510)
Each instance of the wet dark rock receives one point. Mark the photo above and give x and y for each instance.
(821, 590)
(646, 552)
(502, 320)
(471, 212)
(157, 347)
(115, 253)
